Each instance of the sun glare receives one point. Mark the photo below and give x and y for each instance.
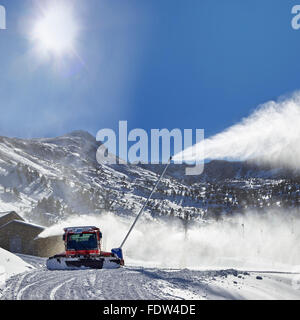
(55, 30)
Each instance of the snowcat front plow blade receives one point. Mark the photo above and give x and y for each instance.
(67, 263)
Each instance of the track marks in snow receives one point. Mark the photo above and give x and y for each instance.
(20, 293)
(53, 291)
(137, 283)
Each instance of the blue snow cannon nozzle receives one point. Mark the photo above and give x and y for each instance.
(118, 252)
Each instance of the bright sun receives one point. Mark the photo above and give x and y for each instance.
(55, 30)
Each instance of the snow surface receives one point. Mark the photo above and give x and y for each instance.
(138, 283)
(11, 265)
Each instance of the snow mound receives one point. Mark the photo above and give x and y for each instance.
(11, 265)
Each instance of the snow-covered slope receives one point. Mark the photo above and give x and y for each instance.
(11, 265)
(46, 180)
(148, 283)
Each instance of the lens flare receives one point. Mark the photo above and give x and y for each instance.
(55, 29)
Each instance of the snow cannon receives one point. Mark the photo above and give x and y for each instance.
(83, 251)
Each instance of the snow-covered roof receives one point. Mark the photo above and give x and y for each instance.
(15, 216)
(5, 213)
(23, 223)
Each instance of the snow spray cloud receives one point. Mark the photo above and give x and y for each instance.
(271, 135)
(252, 241)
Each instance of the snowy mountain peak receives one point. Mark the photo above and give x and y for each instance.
(81, 134)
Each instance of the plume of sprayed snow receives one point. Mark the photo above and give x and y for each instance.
(251, 241)
(271, 135)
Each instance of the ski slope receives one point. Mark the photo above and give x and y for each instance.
(133, 283)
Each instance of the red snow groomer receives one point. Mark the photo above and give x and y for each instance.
(83, 250)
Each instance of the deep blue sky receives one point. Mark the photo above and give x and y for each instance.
(158, 64)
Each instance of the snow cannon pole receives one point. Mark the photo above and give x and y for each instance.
(144, 206)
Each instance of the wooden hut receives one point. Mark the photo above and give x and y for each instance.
(18, 236)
